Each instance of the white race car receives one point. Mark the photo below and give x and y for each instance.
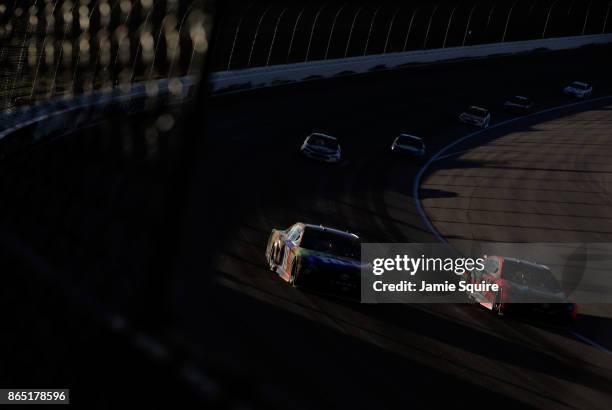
(321, 147)
(409, 145)
(578, 89)
(478, 116)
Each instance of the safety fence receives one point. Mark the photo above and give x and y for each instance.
(64, 47)
(256, 33)
(135, 96)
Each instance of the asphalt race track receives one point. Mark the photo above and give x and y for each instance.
(265, 184)
(253, 339)
(548, 181)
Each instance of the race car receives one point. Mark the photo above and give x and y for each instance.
(523, 286)
(519, 104)
(316, 257)
(478, 116)
(578, 89)
(408, 145)
(321, 147)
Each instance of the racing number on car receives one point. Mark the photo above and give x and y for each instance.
(286, 255)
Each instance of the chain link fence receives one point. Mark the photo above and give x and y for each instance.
(56, 48)
(93, 95)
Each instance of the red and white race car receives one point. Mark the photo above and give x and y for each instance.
(523, 286)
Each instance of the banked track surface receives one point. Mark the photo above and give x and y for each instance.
(262, 184)
(542, 182)
(545, 181)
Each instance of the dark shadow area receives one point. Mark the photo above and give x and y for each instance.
(427, 193)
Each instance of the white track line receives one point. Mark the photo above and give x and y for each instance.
(590, 342)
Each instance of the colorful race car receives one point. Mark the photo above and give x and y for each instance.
(316, 257)
(523, 286)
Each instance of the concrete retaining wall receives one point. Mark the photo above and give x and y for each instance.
(237, 80)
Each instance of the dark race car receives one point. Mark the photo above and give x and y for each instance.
(316, 257)
(524, 287)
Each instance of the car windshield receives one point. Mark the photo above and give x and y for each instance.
(478, 112)
(535, 277)
(409, 141)
(321, 141)
(334, 243)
